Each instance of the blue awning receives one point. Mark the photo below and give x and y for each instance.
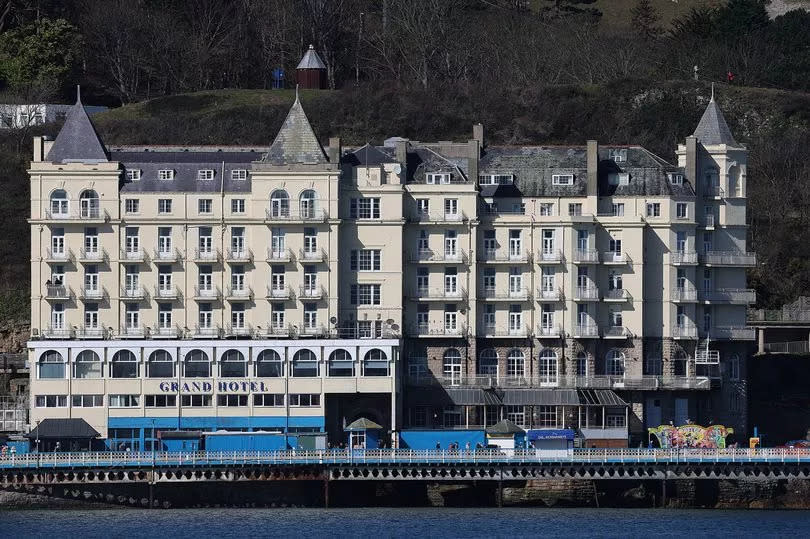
(547, 434)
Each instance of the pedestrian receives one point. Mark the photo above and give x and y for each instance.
(438, 445)
(467, 446)
(57, 447)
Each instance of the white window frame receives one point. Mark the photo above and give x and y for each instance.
(562, 179)
(239, 174)
(205, 174)
(165, 174)
(134, 174)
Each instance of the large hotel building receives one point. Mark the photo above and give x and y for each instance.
(296, 287)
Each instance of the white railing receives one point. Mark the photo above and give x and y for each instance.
(133, 255)
(736, 333)
(548, 331)
(553, 256)
(137, 292)
(617, 332)
(132, 332)
(586, 293)
(684, 331)
(56, 332)
(242, 292)
(208, 255)
(503, 255)
(239, 255)
(427, 330)
(499, 331)
(274, 331)
(730, 258)
(427, 255)
(708, 220)
(166, 333)
(792, 347)
(172, 255)
(169, 292)
(521, 294)
(594, 381)
(83, 214)
(554, 294)
(288, 215)
(95, 255)
(212, 332)
(617, 294)
(87, 332)
(311, 292)
(457, 293)
(441, 217)
(729, 295)
(684, 257)
(585, 330)
(206, 293)
(613, 257)
(279, 293)
(318, 255)
(59, 256)
(58, 291)
(684, 293)
(95, 293)
(279, 255)
(586, 255)
(239, 331)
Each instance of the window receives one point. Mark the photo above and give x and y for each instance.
(195, 401)
(488, 363)
(615, 363)
(89, 205)
(160, 365)
(365, 260)
(232, 400)
(375, 363)
(87, 365)
(546, 416)
(495, 179)
(451, 367)
(581, 364)
(51, 401)
(451, 416)
(124, 365)
(233, 365)
(516, 414)
(87, 401)
(438, 178)
(133, 175)
(515, 364)
(305, 364)
(307, 203)
(681, 210)
(562, 179)
(675, 178)
(160, 401)
(653, 209)
(269, 365)
(196, 365)
(488, 280)
(164, 205)
(204, 205)
(59, 202)
(238, 205)
(51, 365)
(575, 209)
(619, 155)
(279, 203)
(305, 399)
(548, 367)
(614, 421)
(450, 207)
(205, 174)
(621, 178)
(618, 209)
(132, 205)
(124, 401)
(546, 209)
(239, 174)
(365, 294)
(165, 174)
(422, 206)
(364, 208)
(679, 363)
(340, 364)
(268, 399)
(310, 316)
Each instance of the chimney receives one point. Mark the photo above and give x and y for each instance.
(478, 134)
(334, 150)
(691, 162)
(402, 152)
(592, 163)
(39, 146)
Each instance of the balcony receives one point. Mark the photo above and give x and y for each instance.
(205, 332)
(311, 293)
(553, 294)
(281, 256)
(239, 293)
(88, 332)
(92, 293)
(729, 258)
(459, 256)
(206, 256)
(586, 293)
(239, 331)
(709, 221)
(548, 332)
(615, 258)
(731, 333)
(239, 256)
(739, 296)
(503, 332)
(94, 256)
(503, 256)
(86, 215)
(713, 191)
(585, 331)
(617, 295)
(282, 293)
(271, 331)
(597, 381)
(491, 294)
(586, 256)
(552, 256)
(58, 292)
(318, 255)
(133, 293)
(684, 294)
(277, 215)
(427, 330)
(685, 331)
(132, 332)
(171, 332)
(63, 256)
(57, 332)
(133, 255)
(168, 256)
(305, 330)
(706, 357)
(206, 294)
(441, 294)
(617, 332)
(437, 217)
(166, 292)
(683, 258)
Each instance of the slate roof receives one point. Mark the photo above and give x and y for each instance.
(63, 428)
(78, 140)
(712, 128)
(505, 427)
(296, 142)
(369, 155)
(311, 60)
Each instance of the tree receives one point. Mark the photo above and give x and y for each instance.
(645, 20)
(565, 8)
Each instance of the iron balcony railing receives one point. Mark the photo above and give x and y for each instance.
(239, 255)
(617, 294)
(586, 256)
(57, 292)
(206, 293)
(595, 381)
(549, 294)
(551, 256)
(504, 255)
(63, 255)
(617, 332)
(518, 294)
(239, 293)
(134, 292)
(729, 258)
(459, 256)
(167, 292)
(92, 255)
(271, 331)
(318, 255)
(438, 217)
(206, 332)
(734, 333)
(244, 330)
(586, 293)
(713, 191)
(206, 255)
(708, 220)
(684, 294)
(285, 214)
(133, 255)
(169, 255)
(686, 330)
(57, 332)
(171, 332)
(500, 331)
(132, 332)
(428, 330)
(548, 331)
(91, 332)
(456, 294)
(311, 292)
(86, 214)
(96, 293)
(283, 292)
(279, 255)
(615, 257)
(589, 330)
(729, 295)
(679, 258)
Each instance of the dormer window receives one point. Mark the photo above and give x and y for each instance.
(435, 178)
(562, 179)
(205, 174)
(133, 175)
(166, 174)
(675, 178)
(239, 174)
(618, 155)
(621, 178)
(496, 179)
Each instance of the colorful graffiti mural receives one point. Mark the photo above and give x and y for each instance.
(713, 437)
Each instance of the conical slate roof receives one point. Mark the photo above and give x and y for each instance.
(77, 141)
(311, 60)
(296, 141)
(712, 128)
(504, 427)
(362, 424)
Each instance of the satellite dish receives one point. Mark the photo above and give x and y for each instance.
(397, 168)
(333, 320)
(389, 321)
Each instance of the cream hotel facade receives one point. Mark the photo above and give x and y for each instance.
(296, 287)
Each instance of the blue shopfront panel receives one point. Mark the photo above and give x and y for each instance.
(427, 439)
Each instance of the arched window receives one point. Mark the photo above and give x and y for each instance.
(488, 362)
(307, 204)
(160, 365)
(233, 365)
(196, 365)
(87, 365)
(279, 203)
(51, 365)
(375, 363)
(548, 367)
(269, 364)
(89, 204)
(679, 363)
(59, 203)
(451, 367)
(615, 363)
(305, 364)
(124, 365)
(515, 364)
(340, 364)
(581, 364)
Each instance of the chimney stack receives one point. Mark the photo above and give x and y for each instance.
(478, 134)
(334, 150)
(592, 159)
(691, 162)
(402, 152)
